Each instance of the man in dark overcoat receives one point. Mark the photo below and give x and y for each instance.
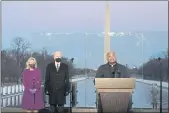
(57, 84)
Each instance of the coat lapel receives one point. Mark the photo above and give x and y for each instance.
(54, 68)
(60, 68)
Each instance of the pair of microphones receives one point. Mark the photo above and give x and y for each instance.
(116, 74)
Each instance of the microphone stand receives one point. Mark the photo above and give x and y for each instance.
(116, 74)
(119, 73)
(161, 78)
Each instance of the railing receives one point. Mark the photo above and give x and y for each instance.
(11, 96)
(13, 89)
(79, 97)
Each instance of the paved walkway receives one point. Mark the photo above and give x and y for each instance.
(84, 110)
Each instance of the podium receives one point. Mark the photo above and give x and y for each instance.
(114, 94)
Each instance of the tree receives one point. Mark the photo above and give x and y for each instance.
(151, 69)
(8, 67)
(19, 49)
(13, 61)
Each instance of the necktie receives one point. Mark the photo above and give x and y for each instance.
(57, 67)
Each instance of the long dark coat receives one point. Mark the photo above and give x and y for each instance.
(57, 83)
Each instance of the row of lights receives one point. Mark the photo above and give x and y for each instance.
(140, 34)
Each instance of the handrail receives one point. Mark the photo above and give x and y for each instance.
(18, 90)
(10, 92)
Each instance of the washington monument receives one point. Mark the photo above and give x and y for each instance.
(107, 31)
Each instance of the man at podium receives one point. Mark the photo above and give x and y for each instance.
(112, 69)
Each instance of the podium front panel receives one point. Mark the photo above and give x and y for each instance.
(112, 102)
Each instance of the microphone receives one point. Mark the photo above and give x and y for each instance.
(113, 74)
(119, 73)
(72, 59)
(116, 74)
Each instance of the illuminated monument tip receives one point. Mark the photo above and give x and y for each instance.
(107, 31)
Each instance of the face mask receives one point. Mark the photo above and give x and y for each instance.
(58, 59)
(32, 65)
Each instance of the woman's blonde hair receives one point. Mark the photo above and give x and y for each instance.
(27, 63)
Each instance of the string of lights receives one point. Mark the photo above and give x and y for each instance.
(89, 33)
(141, 38)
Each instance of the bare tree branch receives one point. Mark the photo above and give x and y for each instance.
(19, 49)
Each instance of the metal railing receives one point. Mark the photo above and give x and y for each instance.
(12, 96)
(11, 90)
